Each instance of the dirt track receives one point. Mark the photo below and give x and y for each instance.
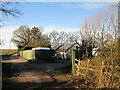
(28, 75)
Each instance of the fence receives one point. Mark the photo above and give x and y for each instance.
(97, 72)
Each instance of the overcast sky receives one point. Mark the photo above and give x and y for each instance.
(60, 16)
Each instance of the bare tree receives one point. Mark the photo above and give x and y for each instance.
(99, 27)
(63, 37)
(107, 25)
(88, 31)
(26, 37)
(6, 9)
(57, 37)
(54, 37)
(113, 16)
(22, 36)
(72, 37)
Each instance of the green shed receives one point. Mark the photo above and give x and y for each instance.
(40, 54)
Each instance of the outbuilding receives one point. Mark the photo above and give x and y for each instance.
(39, 54)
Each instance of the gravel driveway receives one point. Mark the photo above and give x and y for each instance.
(22, 74)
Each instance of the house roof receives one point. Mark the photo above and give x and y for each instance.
(56, 46)
(40, 48)
(28, 48)
(66, 47)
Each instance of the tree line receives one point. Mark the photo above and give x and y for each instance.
(97, 30)
(24, 36)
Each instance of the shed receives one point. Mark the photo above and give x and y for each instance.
(39, 54)
(64, 50)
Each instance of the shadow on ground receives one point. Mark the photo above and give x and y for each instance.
(9, 57)
(29, 85)
(43, 70)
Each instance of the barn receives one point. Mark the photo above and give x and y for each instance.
(63, 51)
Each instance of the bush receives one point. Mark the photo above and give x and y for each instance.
(104, 71)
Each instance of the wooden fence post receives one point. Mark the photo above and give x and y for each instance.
(73, 61)
(101, 83)
(87, 68)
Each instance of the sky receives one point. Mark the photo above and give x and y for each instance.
(59, 16)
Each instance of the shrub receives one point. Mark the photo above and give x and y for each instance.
(102, 71)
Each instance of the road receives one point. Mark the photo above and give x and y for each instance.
(25, 75)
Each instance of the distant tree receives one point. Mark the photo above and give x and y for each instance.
(54, 35)
(22, 36)
(57, 37)
(26, 37)
(36, 34)
(45, 41)
(72, 37)
(63, 37)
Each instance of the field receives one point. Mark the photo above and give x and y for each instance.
(7, 51)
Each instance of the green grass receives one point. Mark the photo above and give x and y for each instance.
(7, 51)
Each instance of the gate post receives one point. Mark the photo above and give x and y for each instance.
(21, 53)
(73, 61)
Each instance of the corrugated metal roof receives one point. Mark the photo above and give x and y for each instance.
(66, 47)
(40, 48)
